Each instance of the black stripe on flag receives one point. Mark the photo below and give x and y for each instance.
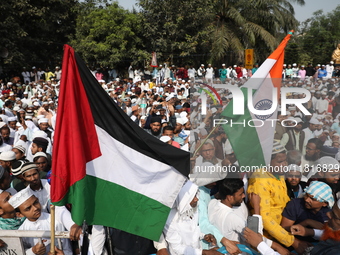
(110, 117)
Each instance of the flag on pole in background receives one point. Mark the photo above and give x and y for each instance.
(112, 172)
(253, 145)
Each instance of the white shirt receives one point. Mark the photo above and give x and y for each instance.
(5, 147)
(43, 223)
(209, 73)
(43, 194)
(227, 221)
(321, 105)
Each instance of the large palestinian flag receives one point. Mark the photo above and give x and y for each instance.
(112, 172)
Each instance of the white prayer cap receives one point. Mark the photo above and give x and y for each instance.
(169, 97)
(20, 148)
(294, 64)
(11, 93)
(165, 138)
(314, 121)
(16, 108)
(40, 117)
(17, 199)
(133, 100)
(328, 163)
(194, 104)
(223, 64)
(202, 64)
(2, 124)
(312, 91)
(292, 108)
(213, 110)
(39, 154)
(9, 83)
(45, 102)
(36, 104)
(182, 121)
(235, 65)
(12, 119)
(28, 117)
(284, 65)
(7, 156)
(336, 134)
(295, 168)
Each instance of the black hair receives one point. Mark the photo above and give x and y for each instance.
(318, 143)
(168, 128)
(229, 187)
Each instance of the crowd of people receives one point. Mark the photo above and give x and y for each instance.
(294, 209)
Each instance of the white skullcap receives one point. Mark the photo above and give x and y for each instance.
(20, 148)
(7, 156)
(39, 154)
(16, 108)
(314, 121)
(12, 119)
(45, 102)
(165, 138)
(43, 120)
(2, 124)
(40, 133)
(40, 117)
(20, 197)
(36, 104)
(328, 163)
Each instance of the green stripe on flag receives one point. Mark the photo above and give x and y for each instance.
(91, 199)
(244, 140)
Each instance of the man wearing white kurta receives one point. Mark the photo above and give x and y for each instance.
(29, 207)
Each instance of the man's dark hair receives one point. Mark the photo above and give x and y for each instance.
(5, 128)
(8, 103)
(229, 187)
(318, 143)
(168, 128)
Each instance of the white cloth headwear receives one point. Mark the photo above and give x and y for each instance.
(20, 197)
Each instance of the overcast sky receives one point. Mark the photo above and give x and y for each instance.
(301, 13)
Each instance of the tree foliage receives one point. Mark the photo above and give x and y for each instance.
(34, 31)
(108, 35)
(320, 35)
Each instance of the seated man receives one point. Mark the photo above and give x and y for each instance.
(311, 210)
(27, 205)
(181, 230)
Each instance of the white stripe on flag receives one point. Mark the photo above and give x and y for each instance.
(125, 166)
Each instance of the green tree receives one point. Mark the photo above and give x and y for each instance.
(176, 29)
(320, 35)
(34, 31)
(257, 24)
(108, 35)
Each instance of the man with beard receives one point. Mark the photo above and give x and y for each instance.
(155, 127)
(329, 236)
(313, 149)
(294, 139)
(294, 184)
(5, 133)
(328, 171)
